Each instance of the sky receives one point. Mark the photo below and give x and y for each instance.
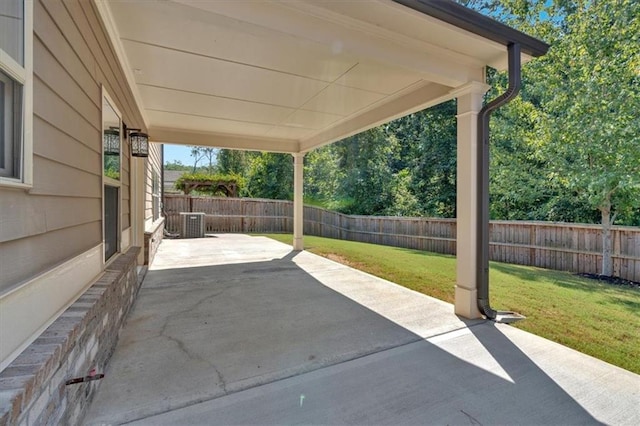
(178, 152)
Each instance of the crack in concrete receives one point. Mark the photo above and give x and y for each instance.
(472, 419)
(188, 310)
(193, 356)
(183, 347)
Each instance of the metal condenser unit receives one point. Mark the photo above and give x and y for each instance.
(192, 225)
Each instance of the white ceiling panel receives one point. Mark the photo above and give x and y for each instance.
(199, 74)
(378, 78)
(342, 100)
(311, 119)
(452, 41)
(194, 30)
(206, 124)
(156, 98)
(288, 133)
(406, 27)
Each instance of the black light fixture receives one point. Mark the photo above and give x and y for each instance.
(111, 141)
(139, 142)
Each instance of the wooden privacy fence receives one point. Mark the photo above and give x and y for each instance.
(231, 214)
(559, 246)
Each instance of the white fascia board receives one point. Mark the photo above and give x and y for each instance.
(424, 96)
(112, 31)
(216, 140)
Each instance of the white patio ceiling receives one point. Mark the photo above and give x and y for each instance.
(286, 76)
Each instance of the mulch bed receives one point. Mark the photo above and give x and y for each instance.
(612, 280)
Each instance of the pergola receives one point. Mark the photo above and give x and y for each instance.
(291, 76)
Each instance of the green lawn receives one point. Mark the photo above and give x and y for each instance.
(595, 318)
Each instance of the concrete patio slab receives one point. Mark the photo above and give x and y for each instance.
(474, 377)
(241, 330)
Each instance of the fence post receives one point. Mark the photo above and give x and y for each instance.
(243, 212)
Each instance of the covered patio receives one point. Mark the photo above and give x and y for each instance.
(291, 76)
(236, 329)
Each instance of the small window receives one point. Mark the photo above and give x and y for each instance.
(15, 92)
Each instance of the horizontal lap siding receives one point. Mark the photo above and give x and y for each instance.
(88, 37)
(62, 148)
(61, 216)
(26, 257)
(154, 162)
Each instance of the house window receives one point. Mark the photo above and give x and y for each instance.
(111, 215)
(15, 92)
(112, 162)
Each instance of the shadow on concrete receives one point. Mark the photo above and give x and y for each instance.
(267, 343)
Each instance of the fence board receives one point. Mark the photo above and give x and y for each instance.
(561, 246)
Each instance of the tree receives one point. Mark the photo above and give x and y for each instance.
(595, 122)
(233, 161)
(322, 176)
(270, 175)
(403, 201)
(200, 153)
(586, 95)
(432, 158)
(365, 159)
(176, 165)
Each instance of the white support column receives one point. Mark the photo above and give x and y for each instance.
(138, 195)
(298, 201)
(468, 222)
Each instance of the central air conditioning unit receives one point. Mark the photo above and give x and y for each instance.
(192, 225)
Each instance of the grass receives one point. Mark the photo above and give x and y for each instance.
(598, 319)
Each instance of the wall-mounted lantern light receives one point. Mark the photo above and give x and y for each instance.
(139, 142)
(111, 141)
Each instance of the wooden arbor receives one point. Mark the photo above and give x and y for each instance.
(228, 188)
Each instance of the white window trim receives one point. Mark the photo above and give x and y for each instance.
(109, 181)
(24, 76)
(6, 86)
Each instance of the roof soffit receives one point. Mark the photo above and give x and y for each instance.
(264, 72)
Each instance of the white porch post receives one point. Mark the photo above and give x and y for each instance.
(138, 194)
(468, 223)
(298, 201)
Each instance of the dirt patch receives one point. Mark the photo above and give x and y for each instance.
(345, 261)
(337, 258)
(611, 280)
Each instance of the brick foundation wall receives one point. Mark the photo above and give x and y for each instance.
(152, 240)
(32, 387)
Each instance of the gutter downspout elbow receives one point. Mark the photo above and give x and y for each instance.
(482, 206)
